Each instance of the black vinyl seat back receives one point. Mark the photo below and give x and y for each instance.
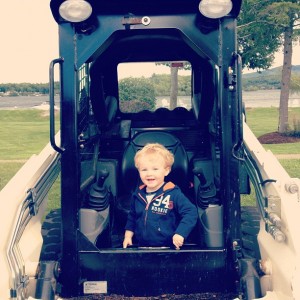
(179, 171)
(107, 112)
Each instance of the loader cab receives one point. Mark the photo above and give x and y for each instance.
(107, 116)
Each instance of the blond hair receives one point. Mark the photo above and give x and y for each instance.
(157, 149)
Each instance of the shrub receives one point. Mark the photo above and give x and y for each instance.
(137, 94)
(295, 130)
(134, 106)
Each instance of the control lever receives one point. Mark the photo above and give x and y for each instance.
(198, 172)
(206, 191)
(99, 197)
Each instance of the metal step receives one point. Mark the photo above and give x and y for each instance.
(150, 272)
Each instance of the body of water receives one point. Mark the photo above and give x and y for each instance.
(266, 98)
(23, 101)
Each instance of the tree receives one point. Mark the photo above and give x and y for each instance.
(257, 42)
(287, 16)
(264, 26)
(174, 67)
(174, 87)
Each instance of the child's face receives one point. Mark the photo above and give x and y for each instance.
(152, 170)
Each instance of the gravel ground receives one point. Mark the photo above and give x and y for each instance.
(202, 296)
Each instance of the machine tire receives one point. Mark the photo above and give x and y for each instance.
(250, 224)
(51, 232)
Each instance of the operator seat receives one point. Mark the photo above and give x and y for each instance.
(130, 177)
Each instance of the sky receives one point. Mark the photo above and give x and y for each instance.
(29, 41)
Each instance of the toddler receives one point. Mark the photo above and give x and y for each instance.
(160, 214)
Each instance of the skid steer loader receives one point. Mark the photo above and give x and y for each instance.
(106, 116)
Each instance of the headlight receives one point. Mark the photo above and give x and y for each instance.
(75, 10)
(215, 8)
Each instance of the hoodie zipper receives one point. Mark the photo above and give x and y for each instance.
(147, 205)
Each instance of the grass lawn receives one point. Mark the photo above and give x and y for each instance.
(290, 148)
(23, 133)
(7, 171)
(265, 120)
(292, 166)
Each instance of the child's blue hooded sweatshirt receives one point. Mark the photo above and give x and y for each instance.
(155, 223)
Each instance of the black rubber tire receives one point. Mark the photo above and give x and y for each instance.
(250, 223)
(51, 232)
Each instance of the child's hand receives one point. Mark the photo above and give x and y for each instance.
(178, 241)
(127, 238)
(127, 242)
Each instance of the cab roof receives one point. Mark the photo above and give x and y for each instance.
(154, 7)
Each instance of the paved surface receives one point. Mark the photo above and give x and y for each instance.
(13, 160)
(288, 156)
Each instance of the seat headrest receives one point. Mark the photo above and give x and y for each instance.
(179, 172)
